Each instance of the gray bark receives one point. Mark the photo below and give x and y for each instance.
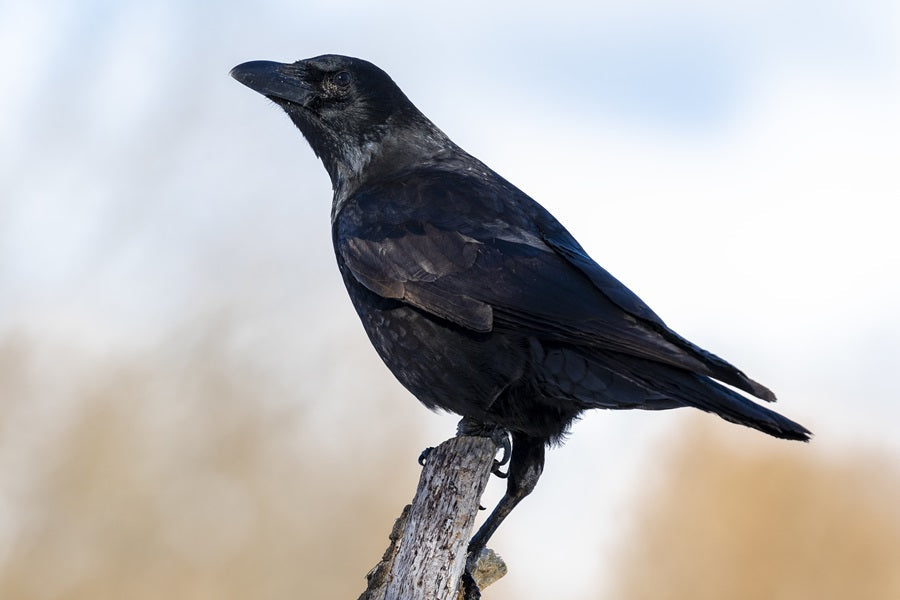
(427, 555)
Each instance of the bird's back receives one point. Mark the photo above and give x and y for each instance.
(480, 302)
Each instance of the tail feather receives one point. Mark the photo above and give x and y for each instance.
(731, 406)
(721, 369)
(700, 391)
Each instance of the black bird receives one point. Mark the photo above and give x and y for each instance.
(474, 296)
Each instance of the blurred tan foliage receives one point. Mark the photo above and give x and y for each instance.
(175, 477)
(774, 520)
(184, 472)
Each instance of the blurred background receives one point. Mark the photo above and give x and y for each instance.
(189, 407)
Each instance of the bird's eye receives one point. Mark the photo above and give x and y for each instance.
(342, 79)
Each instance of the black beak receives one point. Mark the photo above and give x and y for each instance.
(274, 80)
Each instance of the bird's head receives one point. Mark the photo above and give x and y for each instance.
(345, 107)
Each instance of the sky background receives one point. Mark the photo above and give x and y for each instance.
(166, 266)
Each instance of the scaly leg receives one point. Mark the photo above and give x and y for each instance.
(525, 467)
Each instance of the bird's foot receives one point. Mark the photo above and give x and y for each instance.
(423, 458)
(506, 446)
(499, 435)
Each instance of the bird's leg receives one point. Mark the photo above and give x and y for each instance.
(500, 436)
(526, 462)
(525, 466)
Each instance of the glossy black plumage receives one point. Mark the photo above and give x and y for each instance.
(476, 298)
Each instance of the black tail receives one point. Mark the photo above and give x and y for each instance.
(692, 389)
(721, 369)
(731, 406)
(704, 393)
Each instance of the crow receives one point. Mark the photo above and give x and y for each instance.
(475, 297)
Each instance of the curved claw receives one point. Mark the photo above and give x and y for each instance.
(423, 458)
(500, 436)
(506, 446)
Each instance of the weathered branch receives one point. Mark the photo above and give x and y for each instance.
(427, 555)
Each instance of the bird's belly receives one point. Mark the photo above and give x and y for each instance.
(443, 365)
(485, 376)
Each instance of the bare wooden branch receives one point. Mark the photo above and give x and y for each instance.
(427, 555)
(380, 574)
